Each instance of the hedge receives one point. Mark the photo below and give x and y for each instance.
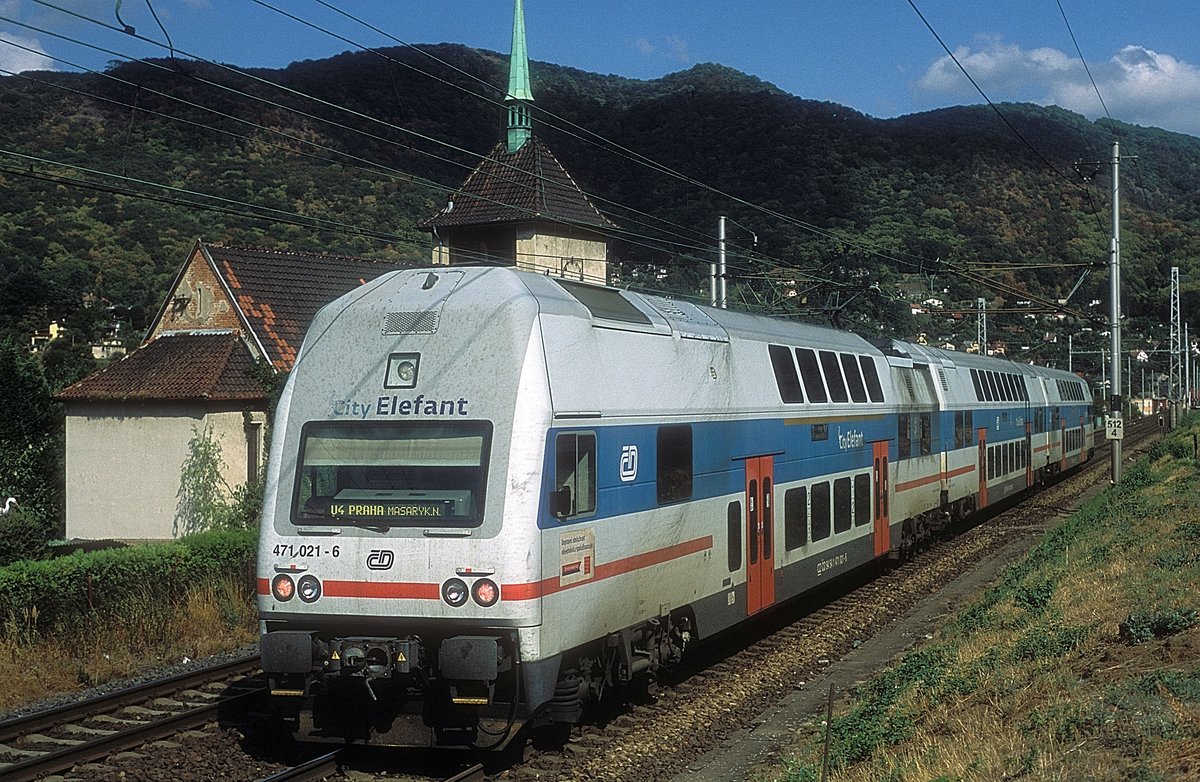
(46, 595)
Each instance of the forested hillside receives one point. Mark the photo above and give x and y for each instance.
(850, 199)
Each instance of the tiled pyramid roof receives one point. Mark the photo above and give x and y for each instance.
(211, 367)
(279, 293)
(522, 186)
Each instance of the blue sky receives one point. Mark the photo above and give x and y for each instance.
(876, 56)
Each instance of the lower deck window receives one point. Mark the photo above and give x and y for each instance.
(820, 510)
(862, 499)
(841, 505)
(795, 517)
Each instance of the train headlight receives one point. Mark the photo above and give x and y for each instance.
(402, 370)
(309, 589)
(485, 592)
(283, 587)
(454, 592)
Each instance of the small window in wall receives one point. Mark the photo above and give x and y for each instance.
(1024, 390)
(903, 444)
(674, 470)
(833, 376)
(978, 386)
(795, 517)
(871, 378)
(862, 499)
(926, 434)
(841, 505)
(785, 374)
(968, 427)
(733, 528)
(958, 429)
(854, 381)
(810, 372)
(820, 510)
(575, 474)
(253, 450)
(820, 432)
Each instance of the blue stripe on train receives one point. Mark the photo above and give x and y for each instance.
(719, 446)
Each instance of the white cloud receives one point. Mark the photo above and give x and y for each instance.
(1139, 85)
(18, 57)
(672, 49)
(678, 49)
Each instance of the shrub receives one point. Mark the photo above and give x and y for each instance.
(60, 592)
(1142, 626)
(23, 536)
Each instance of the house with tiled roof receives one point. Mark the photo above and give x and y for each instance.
(520, 207)
(230, 314)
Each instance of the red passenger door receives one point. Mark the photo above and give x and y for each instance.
(982, 467)
(879, 479)
(760, 533)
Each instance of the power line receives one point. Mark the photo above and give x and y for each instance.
(814, 229)
(634, 238)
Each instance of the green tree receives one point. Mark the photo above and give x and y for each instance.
(30, 439)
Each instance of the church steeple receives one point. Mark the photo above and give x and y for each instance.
(519, 95)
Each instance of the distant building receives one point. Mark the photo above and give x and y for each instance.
(41, 339)
(129, 425)
(520, 207)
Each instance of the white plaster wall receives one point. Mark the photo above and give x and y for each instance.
(124, 462)
(571, 257)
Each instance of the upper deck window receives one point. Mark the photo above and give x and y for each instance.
(392, 473)
(810, 370)
(785, 374)
(858, 391)
(833, 377)
(871, 377)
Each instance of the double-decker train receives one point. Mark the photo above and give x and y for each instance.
(493, 494)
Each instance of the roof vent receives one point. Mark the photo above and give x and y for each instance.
(424, 322)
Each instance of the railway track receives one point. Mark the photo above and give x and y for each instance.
(56, 740)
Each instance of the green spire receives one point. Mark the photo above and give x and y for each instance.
(520, 127)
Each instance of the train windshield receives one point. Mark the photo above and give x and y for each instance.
(395, 474)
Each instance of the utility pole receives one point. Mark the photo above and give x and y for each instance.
(1175, 389)
(1114, 288)
(716, 285)
(1070, 352)
(981, 327)
(1187, 370)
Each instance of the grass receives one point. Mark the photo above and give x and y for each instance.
(145, 634)
(1083, 662)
